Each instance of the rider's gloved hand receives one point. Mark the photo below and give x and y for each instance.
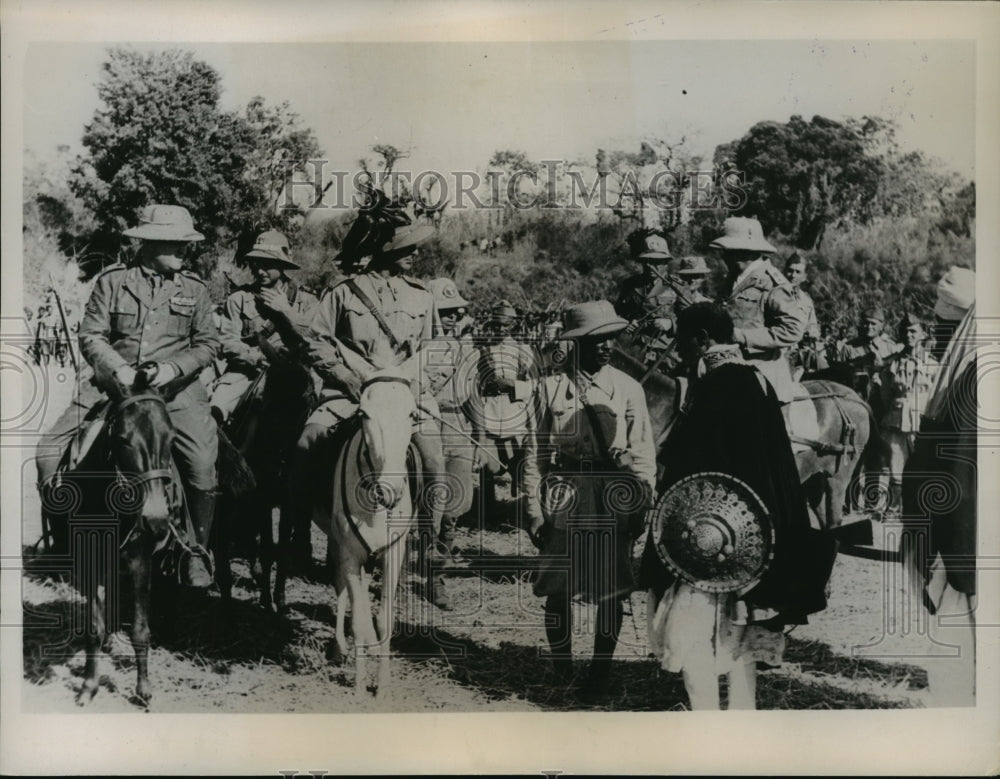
(125, 375)
(166, 372)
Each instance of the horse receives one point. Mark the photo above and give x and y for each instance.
(826, 469)
(146, 493)
(273, 407)
(367, 510)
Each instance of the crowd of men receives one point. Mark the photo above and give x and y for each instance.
(284, 362)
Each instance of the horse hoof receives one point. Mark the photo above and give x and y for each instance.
(86, 694)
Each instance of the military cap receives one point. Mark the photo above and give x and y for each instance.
(446, 294)
(744, 234)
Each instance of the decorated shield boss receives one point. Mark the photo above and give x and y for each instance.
(714, 532)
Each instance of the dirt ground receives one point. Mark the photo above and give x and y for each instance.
(488, 654)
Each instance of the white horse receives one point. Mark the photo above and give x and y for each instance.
(371, 513)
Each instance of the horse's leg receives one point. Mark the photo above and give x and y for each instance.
(361, 624)
(220, 550)
(283, 554)
(390, 576)
(743, 687)
(140, 566)
(265, 553)
(95, 640)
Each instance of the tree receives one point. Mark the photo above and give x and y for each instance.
(161, 136)
(802, 177)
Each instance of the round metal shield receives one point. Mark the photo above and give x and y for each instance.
(714, 532)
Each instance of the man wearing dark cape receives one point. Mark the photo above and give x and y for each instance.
(732, 423)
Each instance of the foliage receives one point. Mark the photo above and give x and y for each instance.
(161, 136)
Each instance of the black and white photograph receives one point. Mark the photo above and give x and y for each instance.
(593, 370)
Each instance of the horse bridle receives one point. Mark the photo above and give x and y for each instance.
(156, 474)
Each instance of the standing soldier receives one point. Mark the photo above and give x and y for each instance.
(449, 364)
(501, 404)
(153, 311)
(866, 353)
(767, 316)
(906, 382)
(383, 316)
(807, 357)
(589, 476)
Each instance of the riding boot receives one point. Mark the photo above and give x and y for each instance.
(196, 568)
(430, 557)
(609, 625)
(558, 631)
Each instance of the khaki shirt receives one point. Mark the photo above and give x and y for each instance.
(343, 321)
(907, 381)
(565, 440)
(126, 322)
(242, 327)
(768, 318)
(505, 416)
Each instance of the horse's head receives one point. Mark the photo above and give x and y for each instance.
(140, 437)
(388, 410)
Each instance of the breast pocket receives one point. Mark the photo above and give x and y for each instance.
(747, 307)
(181, 316)
(125, 315)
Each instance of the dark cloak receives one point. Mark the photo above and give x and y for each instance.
(940, 488)
(732, 425)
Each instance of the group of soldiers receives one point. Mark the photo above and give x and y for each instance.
(284, 361)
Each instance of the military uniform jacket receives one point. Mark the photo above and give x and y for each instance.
(878, 349)
(343, 321)
(812, 323)
(640, 297)
(768, 318)
(127, 323)
(243, 324)
(505, 415)
(907, 381)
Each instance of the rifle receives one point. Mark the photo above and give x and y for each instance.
(69, 338)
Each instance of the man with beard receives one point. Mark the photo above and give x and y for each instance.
(588, 479)
(732, 424)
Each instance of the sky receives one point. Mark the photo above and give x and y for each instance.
(454, 104)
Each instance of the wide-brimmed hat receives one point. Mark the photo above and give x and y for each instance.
(956, 292)
(446, 294)
(693, 266)
(407, 237)
(273, 246)
(591, 319)
(650, 247)
(742, 233)
(165, 223)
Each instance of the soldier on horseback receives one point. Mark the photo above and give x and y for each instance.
(250, 328)
(382, 316)
(152, 311)
(768, 316)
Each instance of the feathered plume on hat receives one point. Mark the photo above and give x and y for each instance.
(373, 228)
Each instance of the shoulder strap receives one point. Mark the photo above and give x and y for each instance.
(373, 309)
(595, 423)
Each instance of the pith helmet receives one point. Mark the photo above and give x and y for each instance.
(446, 294)
(165, 223)
(742, 233)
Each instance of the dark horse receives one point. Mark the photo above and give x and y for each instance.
(825, 470)
(130, 474)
